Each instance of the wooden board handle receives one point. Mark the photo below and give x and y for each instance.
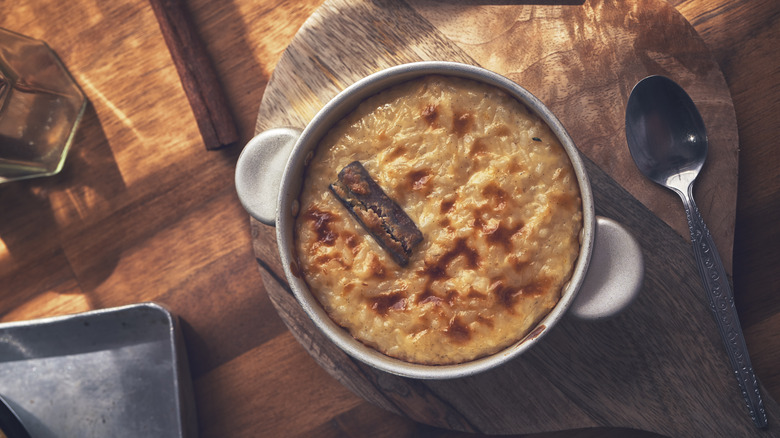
(197, 74)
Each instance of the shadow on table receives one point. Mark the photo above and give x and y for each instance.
(243, 76)
(44, 221)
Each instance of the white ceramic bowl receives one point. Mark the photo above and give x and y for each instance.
(607, 275)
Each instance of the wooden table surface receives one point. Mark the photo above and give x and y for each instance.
(142, 212)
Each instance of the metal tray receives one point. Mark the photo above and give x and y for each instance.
(118, 372)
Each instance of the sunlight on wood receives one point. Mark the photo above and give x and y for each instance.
(6, 261)
(142, 212)
(92, 90)
(49, 304)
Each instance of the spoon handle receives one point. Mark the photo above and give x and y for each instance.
(721, 300)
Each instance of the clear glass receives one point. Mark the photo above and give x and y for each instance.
(40, 108)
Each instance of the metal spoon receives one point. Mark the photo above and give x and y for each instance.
(668, 141)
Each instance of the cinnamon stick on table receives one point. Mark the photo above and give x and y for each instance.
(197, 74)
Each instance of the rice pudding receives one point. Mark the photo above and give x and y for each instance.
(492, 192)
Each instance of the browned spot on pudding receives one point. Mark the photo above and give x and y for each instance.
(320, 221)
(457, 331)
(396, 153)
(495, 233)
(482, 320)
(418, 180)
(536, 288)
(352, 241)
(502, 234)
(430, 114)
(447, 205)
(565, 200)
(496, 194)
(502, 131)
(462, 123)
(427, 296)
(478, 148)
(384, 303)
(517, 263)
(474, 294)
(478, 213)
(509, 296)
(438, 269)
(504, 295)
(451, 296)
(376, 267)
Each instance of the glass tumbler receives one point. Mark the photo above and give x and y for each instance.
(40, 108)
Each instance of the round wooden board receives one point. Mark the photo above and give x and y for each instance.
(660, 366)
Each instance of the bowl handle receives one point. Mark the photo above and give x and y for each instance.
(259, 171)
(615, 273)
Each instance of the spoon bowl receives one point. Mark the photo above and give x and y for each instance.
(668, 142)
(666, 134)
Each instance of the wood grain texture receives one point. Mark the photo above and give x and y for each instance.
(142, 212)
(553, 51)
(196, 71)
(658, 367)
(605, 48)
(582, 62)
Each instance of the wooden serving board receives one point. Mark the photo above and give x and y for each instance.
(660, 366)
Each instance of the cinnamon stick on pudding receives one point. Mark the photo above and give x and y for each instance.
(385, 220)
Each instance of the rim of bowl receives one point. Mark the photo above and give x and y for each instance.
(337, 108)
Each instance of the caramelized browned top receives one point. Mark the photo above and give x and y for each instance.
(492, 192)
